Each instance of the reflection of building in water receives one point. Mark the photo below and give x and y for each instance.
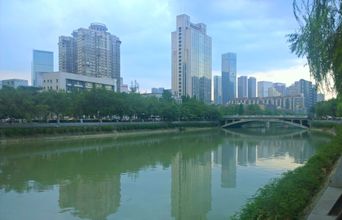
(252, 153)
(246, 153)
(228, 168)
(191, 186)
(91, 199)
(299, 149)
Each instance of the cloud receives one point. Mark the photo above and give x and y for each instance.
(254, 29)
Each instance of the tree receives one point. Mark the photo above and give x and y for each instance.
(319, 39)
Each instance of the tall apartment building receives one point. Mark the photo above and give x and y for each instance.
(217, 90)
(242, 87)
(93, 52)
(191, 60)
(263, 87)
(228, 68)
(42, 62)
(251, 87)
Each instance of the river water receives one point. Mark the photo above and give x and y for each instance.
(195, 175)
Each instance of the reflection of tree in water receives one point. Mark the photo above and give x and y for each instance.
(92, 199)
(88, 171)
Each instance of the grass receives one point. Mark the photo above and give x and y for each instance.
(288, 196)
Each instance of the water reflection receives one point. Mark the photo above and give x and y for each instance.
(191, 186)
(88, 173)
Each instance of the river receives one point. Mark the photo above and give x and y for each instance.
(190, 175)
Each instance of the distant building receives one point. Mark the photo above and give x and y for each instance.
(273, 92)
(281, 88)
(290, 103)
(263, 87)
(191, 60)
(218, 90)
(92, 52)
(242, 87)
(123, 87)
(14, 83)
(320, 97)
(157, 90)
(68, 82)
(42, 62)
(228, 68)
(305, 88)
(251, 87)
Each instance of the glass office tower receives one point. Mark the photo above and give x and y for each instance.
(228, 67)
(42, 62)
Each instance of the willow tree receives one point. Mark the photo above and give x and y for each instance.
(319, 39)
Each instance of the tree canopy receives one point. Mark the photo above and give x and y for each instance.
(319, 39)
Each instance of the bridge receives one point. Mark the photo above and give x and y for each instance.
(234, 121)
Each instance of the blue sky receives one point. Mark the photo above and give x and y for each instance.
(255, 29)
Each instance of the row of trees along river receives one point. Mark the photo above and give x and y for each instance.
(32, 104)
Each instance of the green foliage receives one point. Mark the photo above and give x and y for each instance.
(287, 196)
(319, 39)
(100, 104)
(326, 108)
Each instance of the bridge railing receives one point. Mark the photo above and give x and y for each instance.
(265, 117)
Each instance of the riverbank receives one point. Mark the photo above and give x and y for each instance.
(56, 129)
(113, 134)
(288, 197)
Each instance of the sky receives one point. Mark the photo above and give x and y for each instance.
(254, 29)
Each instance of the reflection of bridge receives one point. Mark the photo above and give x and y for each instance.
(301, 121)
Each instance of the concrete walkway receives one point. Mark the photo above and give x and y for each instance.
(329, 205)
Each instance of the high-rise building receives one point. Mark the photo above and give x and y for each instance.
(263, 87)
(93, 52)
(42, 62)
(305, 88)
(251, 87)
(273, 92)
(228, 68)
(281, 88)
(191, 60)
(242, 87)
(217, 90)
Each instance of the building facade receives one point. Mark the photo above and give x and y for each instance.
(42, 62)
(251, 87)
(14, 83)
(218, 90)
(280, 87)
(69, 82)
(263, 87)
(228, 68)
(242, 87)
(92, 52)
(191, 60)
(290, 103)
(305, 88)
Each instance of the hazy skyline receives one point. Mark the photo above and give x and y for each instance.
(254, 29)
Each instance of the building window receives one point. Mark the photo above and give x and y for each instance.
(56, 80)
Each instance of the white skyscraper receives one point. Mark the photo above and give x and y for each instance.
(191, 60)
